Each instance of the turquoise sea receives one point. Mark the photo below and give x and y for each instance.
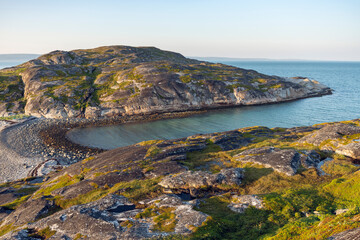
(344, 104)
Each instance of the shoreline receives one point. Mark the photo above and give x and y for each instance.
(26, 146)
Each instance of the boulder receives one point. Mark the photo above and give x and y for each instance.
(350, 150)
(330, 132)
(310, 158)
(286, 161)
(202, 180)
(240, 203)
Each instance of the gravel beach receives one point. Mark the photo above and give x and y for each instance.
(26, 145)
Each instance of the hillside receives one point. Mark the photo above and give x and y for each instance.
(249, 183)
(120, 80)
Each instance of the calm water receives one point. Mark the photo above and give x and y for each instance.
(344, 104)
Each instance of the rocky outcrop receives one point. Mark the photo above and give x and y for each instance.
(202, 180)
(240, 203)
(351, 150)
(339, 137)
(330, 132)
(115, 217)
(121, 80)
(285, 161)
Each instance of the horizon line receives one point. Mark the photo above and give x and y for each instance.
(226, 58)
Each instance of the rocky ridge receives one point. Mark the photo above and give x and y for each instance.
(121, 80)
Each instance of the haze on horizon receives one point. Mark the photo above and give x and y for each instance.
(279, 29)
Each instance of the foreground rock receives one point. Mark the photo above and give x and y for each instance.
(122, 80)
(352, 234)
(282, 160)
(194, 181)
(339, 137)
(240, 203)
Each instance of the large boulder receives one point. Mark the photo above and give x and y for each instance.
(330, 132)
(286, 161)
(351, 150)
(240, 203)
(202, 180)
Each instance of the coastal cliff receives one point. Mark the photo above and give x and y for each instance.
(121, 80)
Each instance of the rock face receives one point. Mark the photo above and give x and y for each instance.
(121, 80)
(282, 160)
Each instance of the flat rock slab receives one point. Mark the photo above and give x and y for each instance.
(286, 161)
(351, 150)
(201, 179)
(330, 132)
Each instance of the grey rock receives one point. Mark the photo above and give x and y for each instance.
(341, 211)
(350, 150)
(201, 179)
(240, 203)
(330, 132)
(285, 161)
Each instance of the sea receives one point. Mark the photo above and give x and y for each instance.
(343, 104)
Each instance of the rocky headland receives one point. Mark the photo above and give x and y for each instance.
(115, 81)
(293, 183)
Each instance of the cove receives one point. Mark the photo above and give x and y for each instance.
(344, 104)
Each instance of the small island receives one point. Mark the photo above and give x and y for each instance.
(115, 81)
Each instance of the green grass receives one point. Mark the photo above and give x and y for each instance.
(45, 233)
(18, 116)
(152, 151)
(317, 228)
(225, 224)
(346, 188)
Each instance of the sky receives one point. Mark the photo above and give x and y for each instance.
(276, 29)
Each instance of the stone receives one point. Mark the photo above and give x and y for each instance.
(286, 161)
(351, 150)
(330, 132)
(200, 179)
(341, 211)
(240, 203)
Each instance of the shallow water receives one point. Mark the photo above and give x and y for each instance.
(344, 104)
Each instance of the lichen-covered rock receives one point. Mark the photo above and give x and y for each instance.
(201, 179)
(285, 161)
(310, 159)
(330, 132)
(122, 80)
(240, 203)
(351, 150)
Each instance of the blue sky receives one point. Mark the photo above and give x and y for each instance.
(306, 29)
